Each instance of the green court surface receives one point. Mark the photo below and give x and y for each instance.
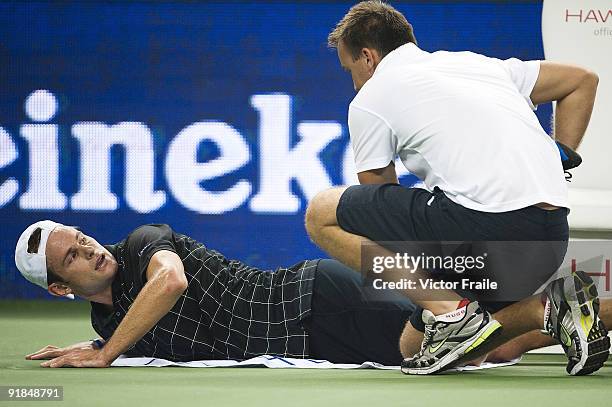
(28, 326)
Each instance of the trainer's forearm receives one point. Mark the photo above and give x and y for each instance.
(155, 300)
(573, 112)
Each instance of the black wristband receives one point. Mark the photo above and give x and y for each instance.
(97, 343)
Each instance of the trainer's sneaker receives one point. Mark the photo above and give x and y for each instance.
(571, 315)
(451, 336)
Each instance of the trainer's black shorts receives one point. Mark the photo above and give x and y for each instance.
(392, 212)
(353, 323)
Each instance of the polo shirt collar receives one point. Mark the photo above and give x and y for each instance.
(406, 52)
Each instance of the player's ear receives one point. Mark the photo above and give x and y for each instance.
(59, 290)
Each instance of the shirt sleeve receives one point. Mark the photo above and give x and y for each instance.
(373, 140)
(142, 244)
(524, 75)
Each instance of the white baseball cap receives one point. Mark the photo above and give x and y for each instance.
(33, 266)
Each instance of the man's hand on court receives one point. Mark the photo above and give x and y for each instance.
(80, 358)
(52, 351)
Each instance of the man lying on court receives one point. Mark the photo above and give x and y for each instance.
(161, 294)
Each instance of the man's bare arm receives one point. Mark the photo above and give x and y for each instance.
(384, 175)
(166, 283)
(574, 89)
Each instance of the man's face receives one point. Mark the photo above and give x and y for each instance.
(86, 266)
(361, 69)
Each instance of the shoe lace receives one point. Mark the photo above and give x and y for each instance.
(430, 331)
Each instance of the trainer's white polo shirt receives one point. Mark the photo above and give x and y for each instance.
(462, 122)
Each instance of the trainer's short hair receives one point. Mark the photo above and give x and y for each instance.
(372, 24)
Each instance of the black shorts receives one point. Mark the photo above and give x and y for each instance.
(352, 323)
(392, 212)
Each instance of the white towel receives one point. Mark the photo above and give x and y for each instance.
(276, 362)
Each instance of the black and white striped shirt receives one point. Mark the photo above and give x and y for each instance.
(229, 310)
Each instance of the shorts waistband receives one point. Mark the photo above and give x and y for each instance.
(532, 210)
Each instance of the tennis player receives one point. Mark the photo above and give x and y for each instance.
(464, 124)
(161, 294)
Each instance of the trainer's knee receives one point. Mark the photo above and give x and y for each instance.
(321, 210)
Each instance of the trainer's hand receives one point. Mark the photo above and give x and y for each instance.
(52, 351)
(80, 358)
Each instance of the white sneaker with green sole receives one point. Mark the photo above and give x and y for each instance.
(571, 316)
(450, 337)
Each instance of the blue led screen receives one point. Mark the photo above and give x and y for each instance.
(221, 119)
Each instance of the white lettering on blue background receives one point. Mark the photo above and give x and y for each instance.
(184, 172)
(280, 162)
(43, 189)
(8, 154)
(95, 142)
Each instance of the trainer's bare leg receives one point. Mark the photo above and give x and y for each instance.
(410, 341)
(323, 229)
(520, 345)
